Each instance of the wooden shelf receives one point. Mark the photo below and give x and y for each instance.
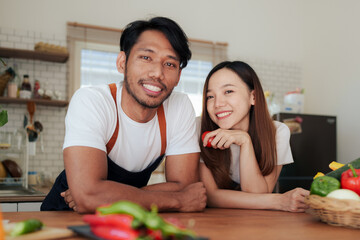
(45, 102)
(35, 55)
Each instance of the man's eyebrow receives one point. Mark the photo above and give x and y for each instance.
(145, 50)
(152, 51)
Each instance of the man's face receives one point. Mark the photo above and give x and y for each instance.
(152, 69)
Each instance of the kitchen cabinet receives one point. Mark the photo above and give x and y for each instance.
(8, 207)
(29, 206)
(21, 207)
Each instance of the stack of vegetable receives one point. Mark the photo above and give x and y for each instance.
(342, 183)
(128, 220)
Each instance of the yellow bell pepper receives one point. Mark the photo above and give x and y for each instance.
(335, 165)
(319, 174)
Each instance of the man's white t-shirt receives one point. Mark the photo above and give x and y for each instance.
(284, 155)
(91, 121)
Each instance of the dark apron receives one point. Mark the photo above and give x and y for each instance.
(55, 202)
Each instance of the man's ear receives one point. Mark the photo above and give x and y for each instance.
(252, 97)
(121, 62)
(179, 77)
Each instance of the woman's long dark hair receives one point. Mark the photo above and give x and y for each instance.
(261, 128)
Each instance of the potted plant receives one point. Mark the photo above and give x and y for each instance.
(3, 113)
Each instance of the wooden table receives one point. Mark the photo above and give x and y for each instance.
(226, 224)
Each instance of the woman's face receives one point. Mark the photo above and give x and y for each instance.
(229, 100)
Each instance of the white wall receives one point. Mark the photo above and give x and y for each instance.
(332, 68)
(320, 35)
(260, 28)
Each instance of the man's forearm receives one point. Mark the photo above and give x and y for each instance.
(165, 187)
(109, 192)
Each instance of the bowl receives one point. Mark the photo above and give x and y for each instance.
(12, 168)
(2, 171)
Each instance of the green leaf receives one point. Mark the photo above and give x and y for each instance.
(3, 118)
(2, 61)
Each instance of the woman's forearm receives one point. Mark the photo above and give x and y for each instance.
(292, 201)
(251, 178)
(238, 199)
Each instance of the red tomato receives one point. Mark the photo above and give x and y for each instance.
(210, 139)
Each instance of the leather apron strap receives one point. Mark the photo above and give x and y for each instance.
(161, 119)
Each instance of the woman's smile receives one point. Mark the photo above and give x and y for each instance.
(223, 114)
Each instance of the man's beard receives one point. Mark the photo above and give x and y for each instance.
(138, 100)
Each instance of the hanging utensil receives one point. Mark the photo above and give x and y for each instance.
(31, 107)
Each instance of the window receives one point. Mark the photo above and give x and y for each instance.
(192, 82)
(95, 63)
(98, 67)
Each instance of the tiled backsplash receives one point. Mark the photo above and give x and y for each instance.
(52, 76)
(277, 77)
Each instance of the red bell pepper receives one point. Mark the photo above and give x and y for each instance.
(154, 234)
(113, 233)
(112, 220)
(350, 179)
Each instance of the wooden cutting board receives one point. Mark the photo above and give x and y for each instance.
(45, 233)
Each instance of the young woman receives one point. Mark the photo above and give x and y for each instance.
(248, 149)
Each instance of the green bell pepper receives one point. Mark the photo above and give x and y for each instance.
(322, 186)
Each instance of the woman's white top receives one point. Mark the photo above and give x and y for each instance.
(284, 155)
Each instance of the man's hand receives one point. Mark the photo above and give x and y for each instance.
(193, 198)
(69, 199)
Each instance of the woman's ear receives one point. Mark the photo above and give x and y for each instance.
(252, 97)
(121, 62)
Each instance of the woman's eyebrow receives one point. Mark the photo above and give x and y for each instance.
(222, 86)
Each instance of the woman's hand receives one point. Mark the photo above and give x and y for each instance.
(293, 201)
(224, 138)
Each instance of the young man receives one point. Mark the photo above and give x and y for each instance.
(117, 135)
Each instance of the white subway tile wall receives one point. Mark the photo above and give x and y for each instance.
(52, 76)
(277, 77)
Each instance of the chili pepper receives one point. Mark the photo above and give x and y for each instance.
(154, 234)
(171, 230)
(125, 207)
(115, 220)
(175, 221)
(27, 226)
(151, 220)
(112, 233)
(323, 185)
(350, 179)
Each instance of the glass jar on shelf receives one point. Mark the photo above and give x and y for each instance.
(25, 89)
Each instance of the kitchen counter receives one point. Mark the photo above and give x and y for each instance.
(220, 224)
(38, 196)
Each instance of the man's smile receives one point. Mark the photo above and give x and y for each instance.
(152, 88)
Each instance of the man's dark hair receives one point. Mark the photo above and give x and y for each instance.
(168, 27)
